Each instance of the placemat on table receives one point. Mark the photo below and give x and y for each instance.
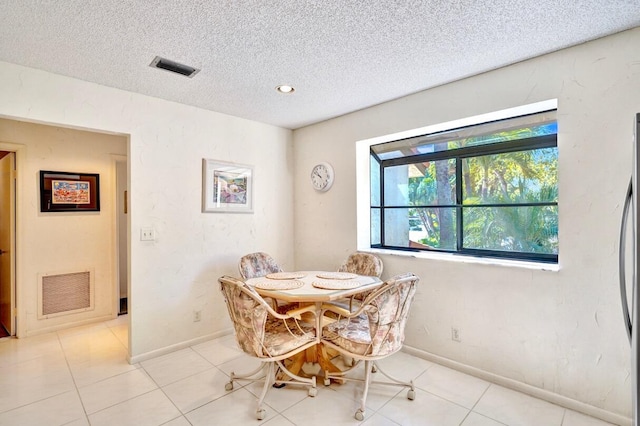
(336, 275)
(285, 275)
(267, 284)
(336, 284)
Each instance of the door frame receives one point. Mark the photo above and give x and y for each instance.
(8, 247)
(18, 235)
(117, 226)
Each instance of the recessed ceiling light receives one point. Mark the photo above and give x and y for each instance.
(283, 88)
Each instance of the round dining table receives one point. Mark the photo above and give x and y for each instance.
(313, 288)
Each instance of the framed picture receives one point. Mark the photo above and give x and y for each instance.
(226, 187)
(69, 192)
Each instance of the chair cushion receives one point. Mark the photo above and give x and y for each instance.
(257, 265)
(353, 335)
(363, 264)
(259, 334)
(281, 337)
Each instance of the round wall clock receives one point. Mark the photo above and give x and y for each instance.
(322, 177)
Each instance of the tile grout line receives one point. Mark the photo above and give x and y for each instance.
(73, 379)
(77, 388)
(186, 377)
(412, 380)
(161, 388)
(564, 414)
(17, 407)
(474, 406)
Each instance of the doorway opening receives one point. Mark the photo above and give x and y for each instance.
(122, 207)
(7, 243)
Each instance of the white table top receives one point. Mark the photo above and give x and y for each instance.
(308, 293)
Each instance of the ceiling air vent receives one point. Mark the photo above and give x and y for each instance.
(172, 66)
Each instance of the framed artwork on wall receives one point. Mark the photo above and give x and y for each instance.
(69, 192)
(226, 187)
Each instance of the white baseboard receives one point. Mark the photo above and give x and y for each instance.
(536, 392)
(64, 326)
(168, 349)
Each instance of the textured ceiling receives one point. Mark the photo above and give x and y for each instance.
(340, 55)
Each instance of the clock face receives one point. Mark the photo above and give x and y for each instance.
(322, 177)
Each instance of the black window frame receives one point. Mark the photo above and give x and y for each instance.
(458, 154)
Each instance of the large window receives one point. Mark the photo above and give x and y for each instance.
(487, 190)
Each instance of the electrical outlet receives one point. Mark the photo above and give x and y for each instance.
(147, 234)
(197, 316)
(455, 334)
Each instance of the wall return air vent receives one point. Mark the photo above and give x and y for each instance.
(65, 293)
(176, 67)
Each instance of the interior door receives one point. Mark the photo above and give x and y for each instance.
(7, 242)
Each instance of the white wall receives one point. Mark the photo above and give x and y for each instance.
(176, 274)
(558, 331)
(65, 242)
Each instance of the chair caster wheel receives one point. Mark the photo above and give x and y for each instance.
(327, 382)
(411, 394)
(261, 414)
(228, 386)
(359, 415)
(313, 392)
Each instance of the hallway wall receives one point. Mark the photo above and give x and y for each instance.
(65, 242)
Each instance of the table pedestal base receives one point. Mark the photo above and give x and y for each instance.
(317, 354)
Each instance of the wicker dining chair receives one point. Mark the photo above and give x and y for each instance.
(372, 332)
(257, 264)
(363, 264)
(265, 334)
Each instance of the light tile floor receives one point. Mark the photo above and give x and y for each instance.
(80, 376)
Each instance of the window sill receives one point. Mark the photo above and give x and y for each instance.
(541, 266)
